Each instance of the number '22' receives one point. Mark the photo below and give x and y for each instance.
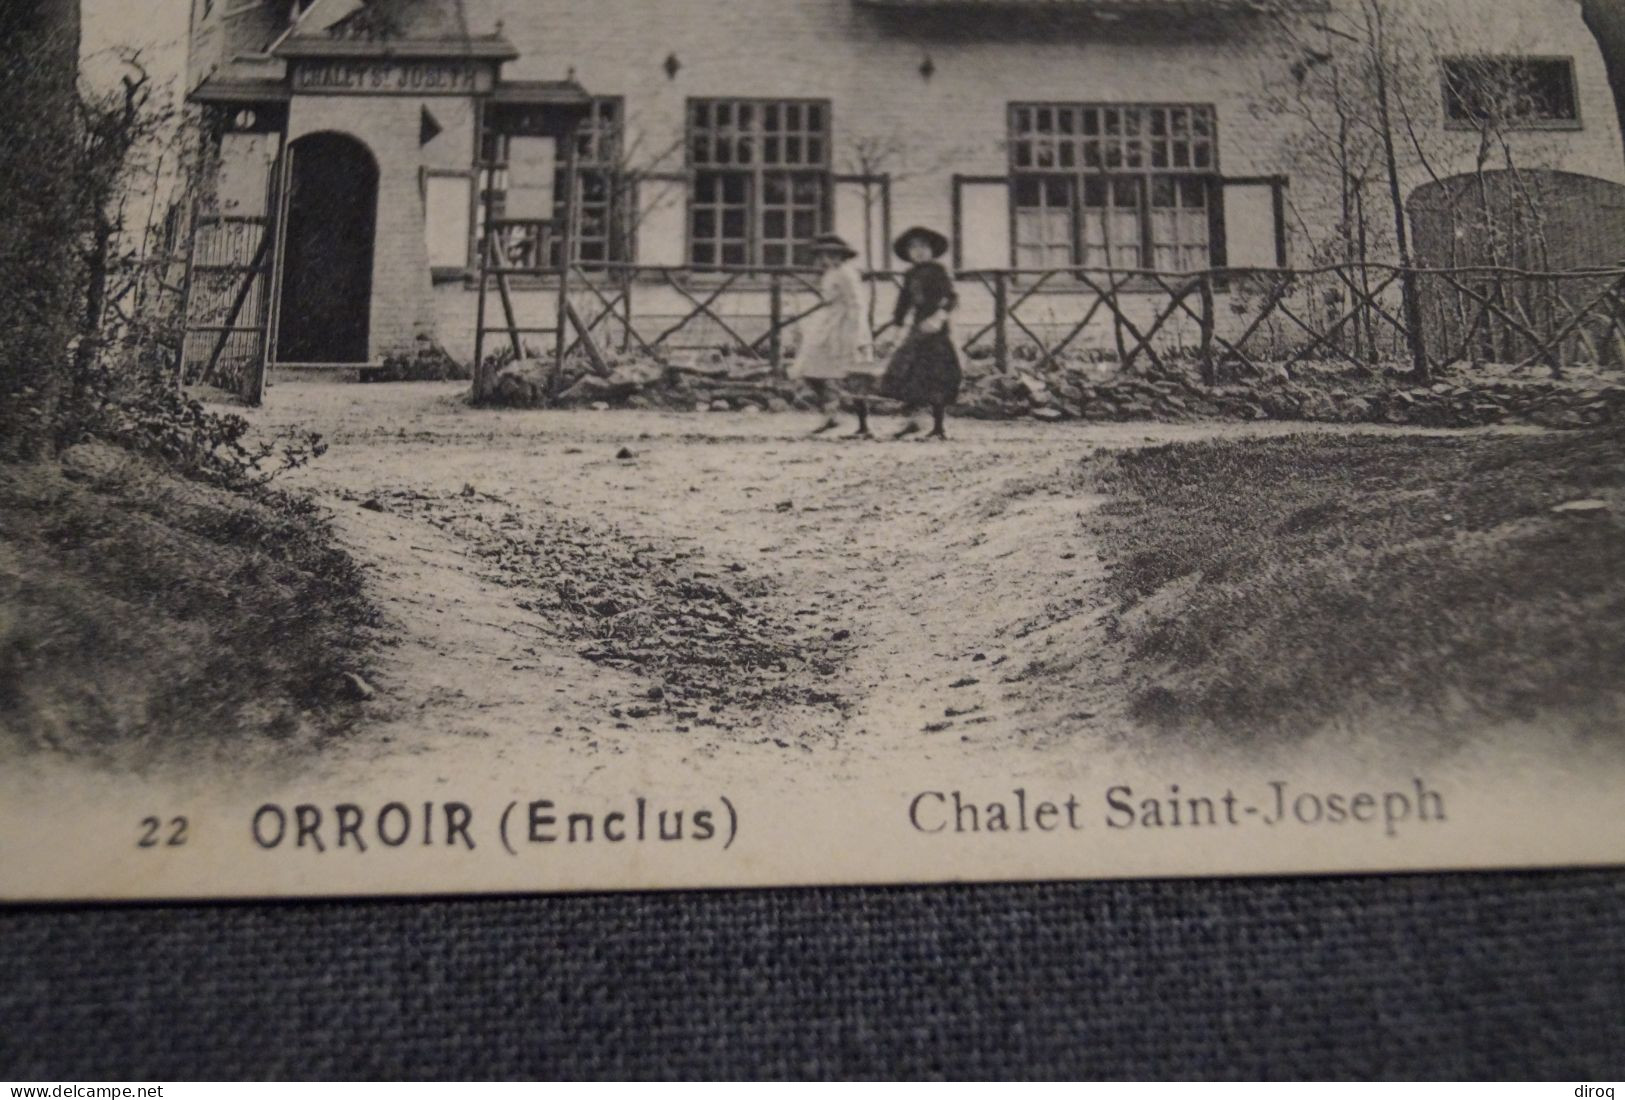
(151, 828)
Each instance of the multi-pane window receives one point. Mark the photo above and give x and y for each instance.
(600, 191)
(719, 220)
(1113, 185)
(1181, 228)
(761, 190)
(1109, 221)
(1517, 92)
(1044, 222)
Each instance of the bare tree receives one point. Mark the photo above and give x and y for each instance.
(643, 181)
(1359, 84)
(879, 162)
(873, 158)
(640, 180)
(40, 220)
(1606, 20)
(121, 131)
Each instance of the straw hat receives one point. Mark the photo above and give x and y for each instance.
(934, 240)
(834, 242)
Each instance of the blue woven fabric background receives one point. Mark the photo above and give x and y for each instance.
(1433, 976)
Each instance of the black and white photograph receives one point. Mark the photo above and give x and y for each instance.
(512, 446)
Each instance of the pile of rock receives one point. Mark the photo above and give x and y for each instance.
(1100, 392)
(718, 384)
(1549, 403)
(1084, 393)
(1080, 394)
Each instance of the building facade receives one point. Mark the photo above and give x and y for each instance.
(702, 139)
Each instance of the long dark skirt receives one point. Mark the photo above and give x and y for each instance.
(924, 370)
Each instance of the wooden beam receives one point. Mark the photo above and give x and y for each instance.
(584, 336)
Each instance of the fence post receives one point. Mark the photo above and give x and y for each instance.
(1001, 334)
(626, 299)
(1414, 337)
(567, 260)
(186, 292)
(1554, 353)
(1616, 320)
(775, 300)
(482, 387)
(1210, 374)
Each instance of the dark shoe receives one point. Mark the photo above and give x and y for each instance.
(827, 426)
(861, 433)
(936, 433)
(906, 430)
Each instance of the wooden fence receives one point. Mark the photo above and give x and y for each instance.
(1225, 320)
(1363, 314)
(750, 311)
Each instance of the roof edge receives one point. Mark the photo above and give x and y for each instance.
(230, 92)
(494, 48)
(560, 93)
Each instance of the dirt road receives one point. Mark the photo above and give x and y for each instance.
(658, 589)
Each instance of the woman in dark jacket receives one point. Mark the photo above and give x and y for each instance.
(924, 370)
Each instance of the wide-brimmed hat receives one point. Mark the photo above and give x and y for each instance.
(833, 242)
(934, 240)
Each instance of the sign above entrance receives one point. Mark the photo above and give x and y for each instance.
(392, 77)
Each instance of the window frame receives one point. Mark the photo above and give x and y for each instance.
(1471, 125)
(756, 174)
(609, 165)
(444, 273)
(1079, 173)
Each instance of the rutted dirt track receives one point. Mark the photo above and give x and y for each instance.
(729, 588)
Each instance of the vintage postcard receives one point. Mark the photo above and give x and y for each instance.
(457, 446)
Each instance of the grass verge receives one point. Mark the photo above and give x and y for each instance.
(1273, 585)
(146, 617)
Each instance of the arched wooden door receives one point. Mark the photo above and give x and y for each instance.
(1488, 228)
(332, 214)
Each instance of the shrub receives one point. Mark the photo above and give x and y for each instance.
(429, 363)
(156, 420)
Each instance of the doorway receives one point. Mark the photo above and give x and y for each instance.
(332, 213)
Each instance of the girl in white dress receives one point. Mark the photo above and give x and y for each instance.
(836, 342)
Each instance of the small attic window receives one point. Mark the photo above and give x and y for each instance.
(1530, 93)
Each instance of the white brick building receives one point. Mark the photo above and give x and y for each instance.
(1039, 133)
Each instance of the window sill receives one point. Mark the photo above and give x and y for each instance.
(703, 281)
(651, 276)
(1540, 126)
(1063, 284)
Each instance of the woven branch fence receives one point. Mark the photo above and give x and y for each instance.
(1225, 320)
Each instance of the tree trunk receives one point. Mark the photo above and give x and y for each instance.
(40, 218)
(1606, 19)
(1396, 195)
